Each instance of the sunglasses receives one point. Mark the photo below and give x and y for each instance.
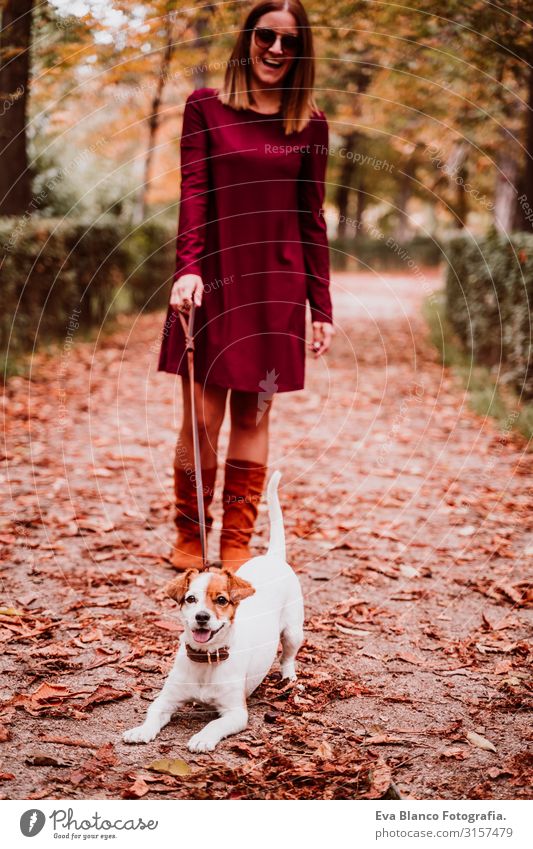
(266, 37)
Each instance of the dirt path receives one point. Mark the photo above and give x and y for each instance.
(408, 518)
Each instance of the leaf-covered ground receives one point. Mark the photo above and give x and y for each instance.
(409, 522)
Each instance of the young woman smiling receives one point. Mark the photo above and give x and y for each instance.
(253, 160)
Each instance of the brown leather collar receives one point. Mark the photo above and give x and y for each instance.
(199, 656)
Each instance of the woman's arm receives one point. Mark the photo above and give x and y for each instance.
(314, 235)
(193, 204)
(312, 223)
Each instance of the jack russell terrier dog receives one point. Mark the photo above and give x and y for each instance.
(233, 625)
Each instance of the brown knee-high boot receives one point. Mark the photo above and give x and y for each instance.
(243, 487)
(187, 553)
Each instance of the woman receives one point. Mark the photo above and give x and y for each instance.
(251, 250)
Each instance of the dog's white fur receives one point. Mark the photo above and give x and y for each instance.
(274, 611)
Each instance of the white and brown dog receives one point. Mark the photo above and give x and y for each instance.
(233, 625)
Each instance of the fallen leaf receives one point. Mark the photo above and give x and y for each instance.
(43, 759)
(138, 789)
(408, 571)
(101, 761)
(324, 751)
(466, 531)
(102, 694)
(173, 766)
(496, 772)
(96, 524)
(353, 632)
(380, 779)
(408, 657)
(479, 741)
(67, 741)
(92, 635)
(458, 753)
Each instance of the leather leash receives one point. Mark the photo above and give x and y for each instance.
(189, 347)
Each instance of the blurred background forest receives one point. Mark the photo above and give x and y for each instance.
(430, 108)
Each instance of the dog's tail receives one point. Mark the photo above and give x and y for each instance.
(276, 545)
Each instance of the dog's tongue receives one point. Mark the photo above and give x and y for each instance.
(201, 636)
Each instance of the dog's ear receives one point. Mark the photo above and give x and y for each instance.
(238, 588)
(179, 586)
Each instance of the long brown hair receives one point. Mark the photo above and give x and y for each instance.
(297, 98)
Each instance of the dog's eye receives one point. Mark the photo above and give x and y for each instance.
(222, 601)
(190, 599)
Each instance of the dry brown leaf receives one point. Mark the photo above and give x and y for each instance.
(44, 759)
(324, 751)
(380, 777)
(138, 789)
(102, 694)
(170, 766)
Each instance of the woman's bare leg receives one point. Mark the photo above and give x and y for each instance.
(210, 402)
(249, 427)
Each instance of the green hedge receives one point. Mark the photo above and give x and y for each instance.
(489, 294)
(385, 254)
(151, 256)
(55, 271)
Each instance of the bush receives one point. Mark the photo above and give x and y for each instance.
(151, 258)
(385, 254)
(55, 271)
(489, 291)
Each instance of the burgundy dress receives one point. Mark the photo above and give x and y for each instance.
(251, 225)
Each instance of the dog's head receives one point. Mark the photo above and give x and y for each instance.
(208, 601)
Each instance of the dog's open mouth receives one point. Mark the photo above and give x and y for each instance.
(203, 635)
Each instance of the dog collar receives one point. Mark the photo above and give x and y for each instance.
(199, 656)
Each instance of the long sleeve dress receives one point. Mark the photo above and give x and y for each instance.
(251, 224)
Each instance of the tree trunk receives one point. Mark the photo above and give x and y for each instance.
(15, 43)
(456, 171)
(505, 187)
(525, 194)
(405, 189)
(201, 71)
(362, 198)
(345, 183)
(154, 119)
(461, 209)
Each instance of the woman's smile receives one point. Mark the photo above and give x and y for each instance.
(272, 63)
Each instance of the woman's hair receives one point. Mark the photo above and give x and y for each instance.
(297, 98)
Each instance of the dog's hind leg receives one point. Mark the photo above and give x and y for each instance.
(292, 638)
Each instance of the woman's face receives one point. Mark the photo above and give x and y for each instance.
(270, 65)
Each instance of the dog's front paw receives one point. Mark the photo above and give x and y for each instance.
(202, 742)
(288, 671)
(140, 734)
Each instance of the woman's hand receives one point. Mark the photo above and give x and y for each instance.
(185, 289)
(323, 333)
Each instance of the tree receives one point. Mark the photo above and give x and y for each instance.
(15, 43)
